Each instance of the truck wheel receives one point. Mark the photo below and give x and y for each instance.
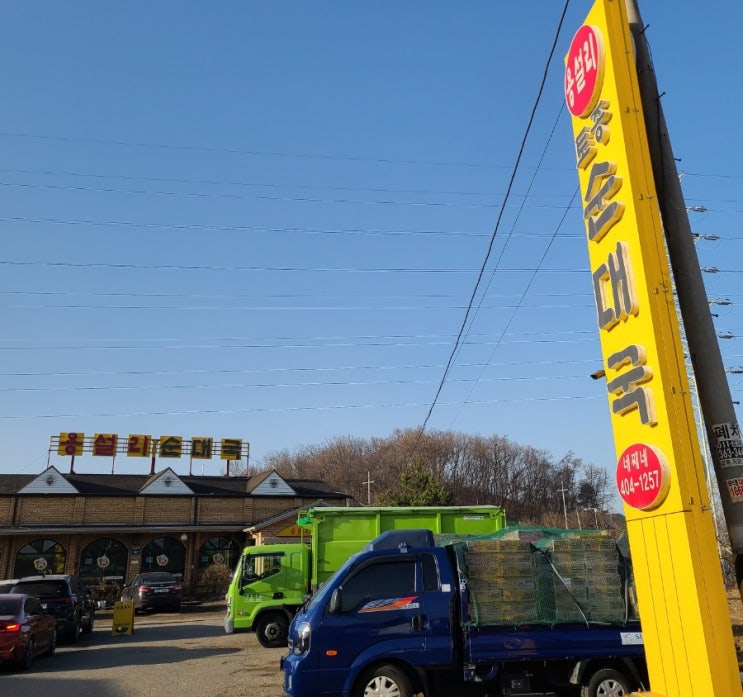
(606, 682)
(272, 630)
(384, 681)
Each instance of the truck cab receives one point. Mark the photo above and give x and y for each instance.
(268, 585)
(395, 599)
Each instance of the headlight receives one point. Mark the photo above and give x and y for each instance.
(302, 639)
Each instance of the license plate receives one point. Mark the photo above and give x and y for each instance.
(161, 590)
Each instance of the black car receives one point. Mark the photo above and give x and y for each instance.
(153, 590)
(66, 597)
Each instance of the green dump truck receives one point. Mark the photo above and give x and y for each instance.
(271, 582)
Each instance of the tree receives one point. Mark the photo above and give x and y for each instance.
(442, 467)
(418, 487)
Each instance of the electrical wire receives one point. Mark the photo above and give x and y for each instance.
(495, 229)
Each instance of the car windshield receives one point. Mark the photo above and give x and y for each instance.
(9, 606)
(47, 589)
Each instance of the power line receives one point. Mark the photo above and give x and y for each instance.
(283, 269)
(278, 385)
(313, 369)
(242, 228)
(495, 229)
(264, 197)
(521, 300)
(299, 155)
(293, 408)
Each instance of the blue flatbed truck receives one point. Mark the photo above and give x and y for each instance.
(406, 616)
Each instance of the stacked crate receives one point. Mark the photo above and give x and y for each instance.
(501, 582)
(590, 569)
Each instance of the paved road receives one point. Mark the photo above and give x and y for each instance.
(185, 655)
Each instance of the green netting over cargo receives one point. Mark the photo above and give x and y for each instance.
(530, 575)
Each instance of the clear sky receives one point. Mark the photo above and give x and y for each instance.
(265, 220)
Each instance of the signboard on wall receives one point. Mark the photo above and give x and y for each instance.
(138, 445)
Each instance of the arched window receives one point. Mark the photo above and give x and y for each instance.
(164, 554)
(103, 559)
(40, 557)
(219, 550)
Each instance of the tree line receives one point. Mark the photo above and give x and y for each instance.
(449, 468)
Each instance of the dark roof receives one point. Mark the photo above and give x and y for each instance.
(123, 484)
(10, 483)
(315, 488)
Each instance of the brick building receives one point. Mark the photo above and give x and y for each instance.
(108, 528)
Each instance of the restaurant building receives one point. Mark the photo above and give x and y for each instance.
(107, 528)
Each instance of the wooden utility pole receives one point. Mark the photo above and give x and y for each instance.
(715, 400)
(369, 481)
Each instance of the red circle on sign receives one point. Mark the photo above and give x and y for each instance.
(643, 476)
(584, 70)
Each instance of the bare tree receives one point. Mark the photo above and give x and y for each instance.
(529, 483)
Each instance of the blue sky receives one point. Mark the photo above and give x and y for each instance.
(265, 220)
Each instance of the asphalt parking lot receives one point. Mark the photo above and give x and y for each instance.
(185, 654)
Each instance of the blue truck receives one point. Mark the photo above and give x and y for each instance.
(507, 615)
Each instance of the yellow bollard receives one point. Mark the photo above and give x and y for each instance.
(123, 618)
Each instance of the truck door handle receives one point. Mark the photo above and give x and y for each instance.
(417, 623)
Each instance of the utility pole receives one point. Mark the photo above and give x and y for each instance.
(369, 481)
(562, 490)
(721, 425)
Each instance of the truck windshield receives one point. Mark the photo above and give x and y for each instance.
(260, 566)
(326, 587)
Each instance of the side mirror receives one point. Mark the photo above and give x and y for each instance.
(336, 601)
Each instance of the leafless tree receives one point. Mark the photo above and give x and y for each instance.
(528, 482)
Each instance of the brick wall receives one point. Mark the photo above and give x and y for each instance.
(109, 509)
(167, 509)
(222, 510)
(40, 510)
(6, 510)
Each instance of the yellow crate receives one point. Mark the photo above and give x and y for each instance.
(504, 613)
(498, 595)
(576, 544)
(487, 567)
(498, 546)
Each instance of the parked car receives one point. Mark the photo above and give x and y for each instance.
(26, 629)
(153, 590)
(66, 597)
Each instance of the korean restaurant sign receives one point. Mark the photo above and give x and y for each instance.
(647, 386)
(139, 445)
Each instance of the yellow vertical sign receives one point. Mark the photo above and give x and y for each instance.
(660, 477)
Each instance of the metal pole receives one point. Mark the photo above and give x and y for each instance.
(715, 400)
